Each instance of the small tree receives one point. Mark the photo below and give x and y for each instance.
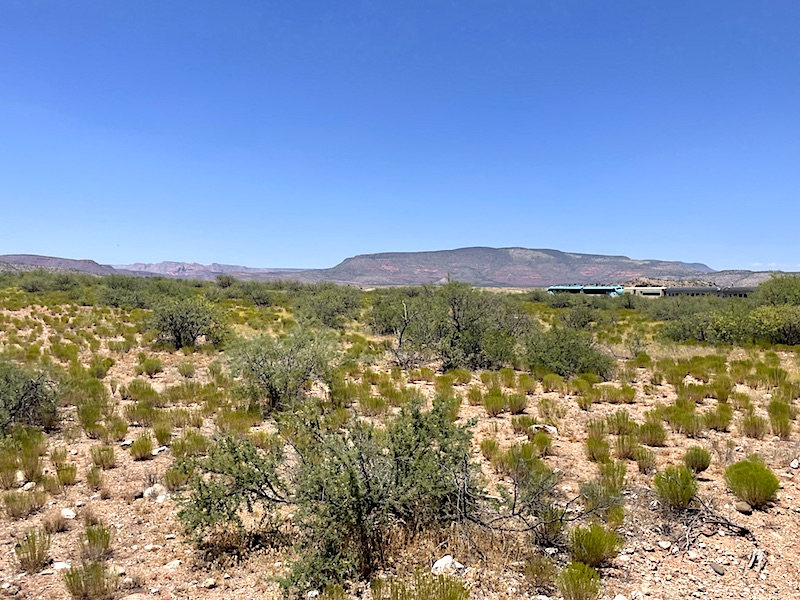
(183, 322)
(26, 397)
(278, 369)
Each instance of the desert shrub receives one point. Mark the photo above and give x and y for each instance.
(182, 322)
(186, 369)
(99, 366)
(754, 426)
(95, 542)
(94, 478)
(33, 551)
(424, 586)
(191, 444)
(475, 396)
(752, 482)
(522, 423)
(652, 433)
(620, 423)
(551, 411)
(494, 402)
(542, 442)
(19, 504)
(508, 377)
(598, 449)
(566, 352)
(90, 580)
(163, 433)
(142, 447)
(55, 523)
(625, 447)
(645, 460)
(150, 367)
(578, 581)
(593, 545)
(67, 473)
(9, 463)
(350, 488)
(526, 384)
(675, 487)
(697, 459)
(516, 403)
(552, 382)
(278, 370)
(26, 397)
(490, 448)
(720, 418)
(103, 456)
(541, 572)
(177, 476)
(116, 428)
(780, 414)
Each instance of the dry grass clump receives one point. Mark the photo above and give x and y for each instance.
(33, 552)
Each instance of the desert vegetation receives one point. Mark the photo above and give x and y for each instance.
(422, 442)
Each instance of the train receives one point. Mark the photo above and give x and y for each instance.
(653, 291)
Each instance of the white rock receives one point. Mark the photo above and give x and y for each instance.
(312, 594)
(158, 450)
(795, 464)
(173, 564)
(152, 547)
(169, 536)
(158, 493)
(126, 443)
(60, 565)
(664, 544)
(79, 503)
(620, 597)
(29, 486)
(67, 513)
(446, 565)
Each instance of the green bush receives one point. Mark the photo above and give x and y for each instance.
(142, 447)
(278, 370)
(566, 352)
(594, 545)
(578, 581)
(754, 426)
(752, 482)
(424, 586)
(26, 397)
(67, 474)
(541, 573)
(90, 581)
(186, 370)
(103, 456)
(494, 403)
(652, 433)
(645, 460)
(96, 542)
(349, 490)
(516, 403)
(781, 414)
(697, 459)
(675, 487)
(182, 322)
(625, 447)
(33, 552)
(598, 449)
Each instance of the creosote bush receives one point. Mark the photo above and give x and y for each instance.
(752, 482)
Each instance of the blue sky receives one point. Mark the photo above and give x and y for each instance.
(297, 133)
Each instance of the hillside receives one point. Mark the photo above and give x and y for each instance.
(488, 267)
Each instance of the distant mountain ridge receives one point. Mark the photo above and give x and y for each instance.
(481, 266)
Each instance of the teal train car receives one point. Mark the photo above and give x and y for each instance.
(596, 290)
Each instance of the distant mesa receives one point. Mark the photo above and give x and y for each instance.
(481, 266)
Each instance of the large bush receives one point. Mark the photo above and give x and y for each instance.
(278, 369)
(753, 482)
(566, 351)
(182, 322)
(26, 397)
(348, 489)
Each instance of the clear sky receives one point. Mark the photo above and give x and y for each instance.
(298, 133)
